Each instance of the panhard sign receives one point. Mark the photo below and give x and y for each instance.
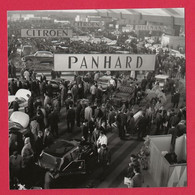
(46, 33)
(103, 62)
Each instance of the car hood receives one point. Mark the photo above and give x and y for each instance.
(11, 98)
(20, 118)
(23, 93)
(48, 161)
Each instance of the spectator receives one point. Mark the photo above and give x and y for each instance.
(70, 119)
(78, 113)
(102, 140)
(133, 163)
(93, 89)
(88, 113)
(85, 130)
(15, 104)
(27, 75)
(27, 153)
(15, 165)
(47, 138)
(47, 100)
(38, 145)
(74, 92)
(34, 127)
(137, 179)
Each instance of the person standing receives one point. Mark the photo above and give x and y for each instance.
(47, 138)
(176, 99)
(49, 89)
(30, 105)
(27, 153)
(78, 113)
(34, 127)
(137, 179)
(70, 118)
(47, 100)
(38, 145)
(13, 87)
(93, 89)
(15, 161)
(53, 119)
(88, 113)
(142, 127)
(120, 124)
(27, 75)
(15, 104)
(85, 130)
(74, 92)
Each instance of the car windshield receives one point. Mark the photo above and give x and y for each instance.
(103, 80)
(59, 148)
(44, 54)
(49, 162)
(161, 80)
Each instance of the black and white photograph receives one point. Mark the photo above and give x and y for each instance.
(97, 98)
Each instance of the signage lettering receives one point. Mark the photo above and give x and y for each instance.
(103, 62)
(46, 33)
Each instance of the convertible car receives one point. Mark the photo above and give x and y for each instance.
(66, 158)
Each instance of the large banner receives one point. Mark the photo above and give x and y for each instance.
(103, 62)
(46, 33)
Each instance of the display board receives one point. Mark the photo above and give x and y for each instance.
(103, 62)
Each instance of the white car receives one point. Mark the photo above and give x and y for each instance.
(176, 54)
(21, 94)
(19, 120)
(104, 82)
(161, 79)
(18, 127)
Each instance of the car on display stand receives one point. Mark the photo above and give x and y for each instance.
(40, 57)
(123, 95)
(161, 79)
(18, 128)
(22, 97)
(104, 82)
(66, 157)
(176, 54)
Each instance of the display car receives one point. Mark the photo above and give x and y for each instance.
(40, 57)
(104, 82)
(161, 79)
(123, 94)
(21, 94)
(18, 127)
(66, 158)
(55, 83)
(176, 54)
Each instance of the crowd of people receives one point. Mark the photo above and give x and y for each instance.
(89, 108)
(86, 109)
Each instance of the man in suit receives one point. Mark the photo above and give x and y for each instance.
(70, 118)
(15, 105)
(88, 113)
(137, 179)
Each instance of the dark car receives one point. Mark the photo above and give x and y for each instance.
(40, 57)
(123, 94)
(55, 83)
(66, 158)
